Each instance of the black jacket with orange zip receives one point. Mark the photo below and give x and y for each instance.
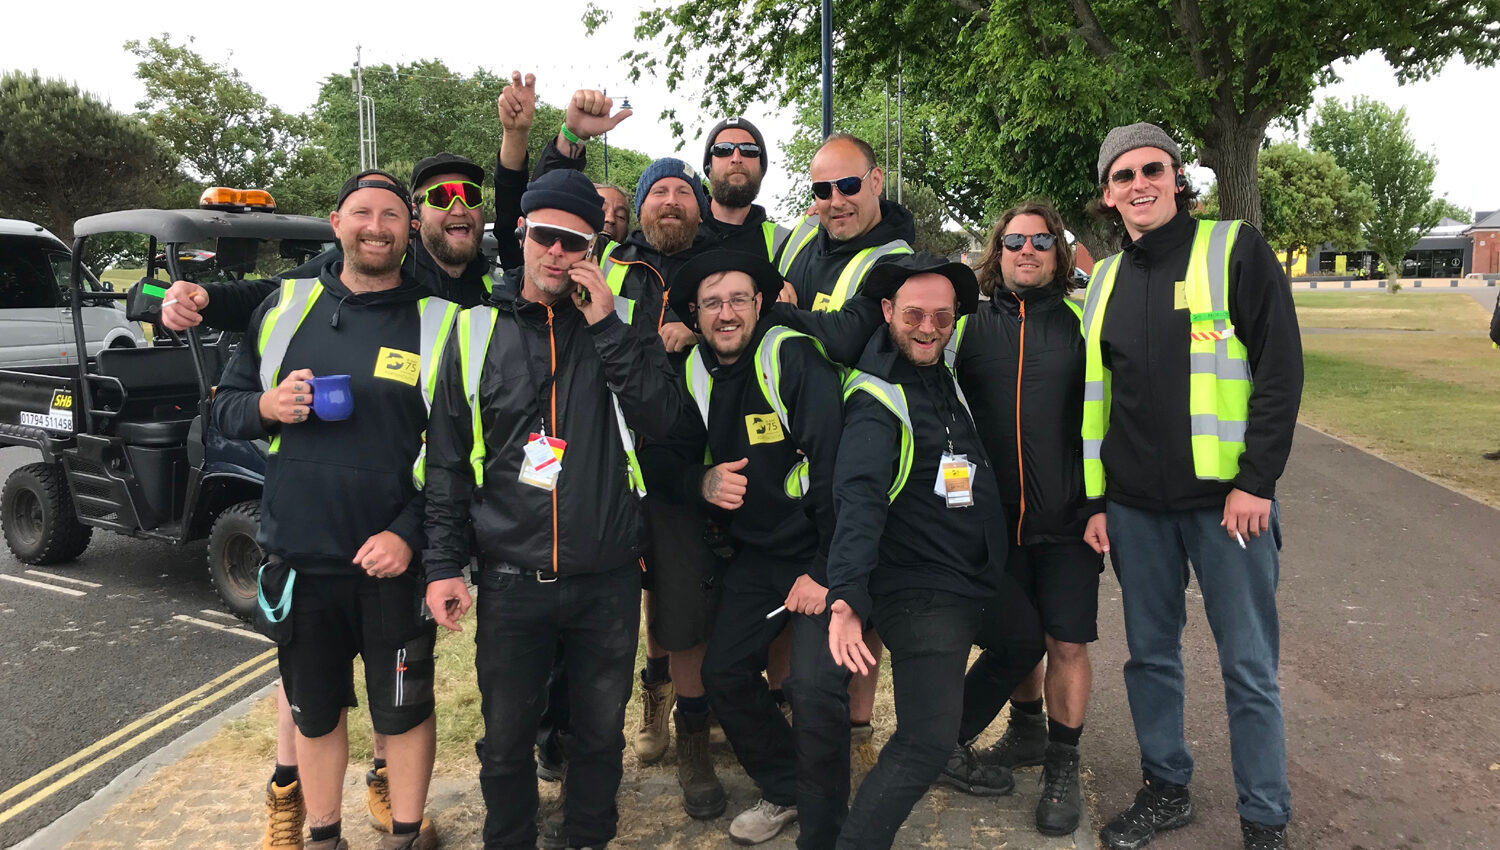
(1020, 362)
(544, 368)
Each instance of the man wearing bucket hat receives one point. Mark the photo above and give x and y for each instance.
(1192, 379)
(351, 576)
(919, 543)
(755, 451)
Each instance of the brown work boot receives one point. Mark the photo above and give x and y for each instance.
(328, 844)
(862, 754)
(285, 815)
(424, 839)
(703, 794)
(378, 798)
(656, 704)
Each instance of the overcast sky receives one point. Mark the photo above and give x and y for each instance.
(285, 49)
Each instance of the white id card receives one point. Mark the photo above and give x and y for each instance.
(955, 480)
(542, 461)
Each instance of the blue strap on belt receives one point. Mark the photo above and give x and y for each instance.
(283, 606)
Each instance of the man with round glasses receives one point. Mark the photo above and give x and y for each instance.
(918, 548)
(755, 452)
(1192, 380)
(531, 463)
(1019, 359)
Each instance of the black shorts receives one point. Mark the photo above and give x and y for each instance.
(680, 573)
(1062, 580)
(335, 618)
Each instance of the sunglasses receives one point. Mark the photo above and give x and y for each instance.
(749, 150)
(847, 186)
(1150, 171)
(547, 235)
(441, 196)
(915, 316)
(1039, 241)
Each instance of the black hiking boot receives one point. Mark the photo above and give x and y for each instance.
(1023, 744)
(1259, 836)
(1158, 806)
(968, 774)
(1058, 810)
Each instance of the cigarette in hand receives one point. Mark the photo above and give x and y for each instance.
(777, 611)
(1239, 538)
(169, 302)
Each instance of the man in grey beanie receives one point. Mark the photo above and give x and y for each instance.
(1192, 379)
(735, 160)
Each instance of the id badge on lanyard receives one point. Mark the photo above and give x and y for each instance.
(955, 480)
(543, 460)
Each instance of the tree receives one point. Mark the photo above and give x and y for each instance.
(1306, 200)
(1016, 70)
(1444, 208)
(65, 155)
(1371, 142)
(223, 132)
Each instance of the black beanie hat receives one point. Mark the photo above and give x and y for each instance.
(566, 190)
(736, 123)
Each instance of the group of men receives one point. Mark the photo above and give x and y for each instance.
(743, 419)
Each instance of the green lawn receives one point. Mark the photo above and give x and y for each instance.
(1428, 401)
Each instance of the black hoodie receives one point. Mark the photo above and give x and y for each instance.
(817, 266)
(916, 541)
(769, 519)
(332, 485)
(650, 275)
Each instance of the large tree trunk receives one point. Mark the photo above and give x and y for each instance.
(1231, 147)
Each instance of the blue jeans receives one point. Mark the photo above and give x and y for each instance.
(928, 633)
(596, 620)
(1151, 551)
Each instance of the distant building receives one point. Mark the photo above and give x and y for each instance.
(1452, 249)
(1484, 236)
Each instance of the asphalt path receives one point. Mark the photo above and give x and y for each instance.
(1390, 668)
(94, 649)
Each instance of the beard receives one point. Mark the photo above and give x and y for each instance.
(735, 195)
(670, 237)
(435, 238)
(361, 264)
(909, 351)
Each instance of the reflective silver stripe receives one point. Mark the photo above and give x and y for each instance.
(1094, 390)
(1218, 280)
(1221, 365)
(850, 281)
(624, 308)
(889, 392)
(767, 361)
(801, 235)
(700, 382)
(437, 321)
(1091, 449)
(1209, 425)
(779, 236)
(627, 440)
(950, 351)
(296, 297)
(481, 319)
(1096, 285)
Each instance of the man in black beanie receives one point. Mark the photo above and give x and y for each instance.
(531, 469)
(734, 160)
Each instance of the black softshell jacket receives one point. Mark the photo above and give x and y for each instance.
(332, 485)
(542, 360)
(1147, 451)
(817, 266)
(769, 520)
(1020, 362)
(917, 541)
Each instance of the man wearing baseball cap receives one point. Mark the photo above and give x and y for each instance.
(919, 543)
(755, 452)
(531, 468)
(341, 516)
(1192, 379)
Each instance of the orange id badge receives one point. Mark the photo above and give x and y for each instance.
(955, 480)
(542, 461)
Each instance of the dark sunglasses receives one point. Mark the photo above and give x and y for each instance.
(442, 195)
(847, 186)
(749, 150)
(547, 235)
(1150, 171)
(1039, 241)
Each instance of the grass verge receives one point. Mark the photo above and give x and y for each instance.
(1444, 311)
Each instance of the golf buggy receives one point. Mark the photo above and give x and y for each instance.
(125, 438)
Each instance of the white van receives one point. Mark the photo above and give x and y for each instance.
(36, 323)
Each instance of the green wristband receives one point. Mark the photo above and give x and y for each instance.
(568, 134)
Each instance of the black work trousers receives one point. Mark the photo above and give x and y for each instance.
(596, 619)
(807, 764)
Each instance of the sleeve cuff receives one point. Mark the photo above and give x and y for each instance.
(857, 597)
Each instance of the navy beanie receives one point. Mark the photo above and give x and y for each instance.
(665, 167)
(566, 190)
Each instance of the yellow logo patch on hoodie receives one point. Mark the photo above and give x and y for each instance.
(393, 364)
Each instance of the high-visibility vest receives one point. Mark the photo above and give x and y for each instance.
(893, 396)
(776, 236)
(295, 301)
(1219, 381)
(700, 386)
(854, 271)
(475, 327)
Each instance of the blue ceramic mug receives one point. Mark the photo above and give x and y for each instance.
(331, 399)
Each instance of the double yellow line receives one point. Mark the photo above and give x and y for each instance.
(127, 738)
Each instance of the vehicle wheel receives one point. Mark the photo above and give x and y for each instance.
(234, 557)
(37, 515)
